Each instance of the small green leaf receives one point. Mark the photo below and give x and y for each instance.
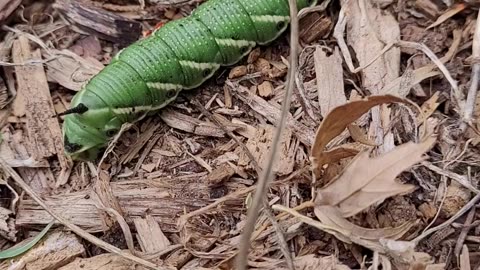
(15, 251)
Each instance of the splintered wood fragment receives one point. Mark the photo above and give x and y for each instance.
(260, 144)
(58, 248)
(7, 7)
(3, 94)
(265, 89)
(43, 129)
(164, 198)
(71, 70)
(220, 174)
(192, 125)
(106, 25)
(107, 261)
(315, 26)
(330, 88)
(139, 144)
(150, 235)
(271, 113)
(7, 225)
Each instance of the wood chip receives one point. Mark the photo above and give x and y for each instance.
(70, 70)
(265, 89)
(271, 113)
(315, 26)
(149, 235)
(136, 196)
(220, 174)
(262, 65)
(260, 145)
(329, 71)
(97, 21)
(44, 133)
(7, 225)
(105, 261)
(58, 248)
(237, 71)
(192, 125)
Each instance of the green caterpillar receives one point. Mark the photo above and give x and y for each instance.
(148, 75)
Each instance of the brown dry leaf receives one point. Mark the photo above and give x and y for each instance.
(337, 121)
(367, 180)
(333, 217)
(359, 135)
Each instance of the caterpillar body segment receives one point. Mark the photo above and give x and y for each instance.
(180, 55)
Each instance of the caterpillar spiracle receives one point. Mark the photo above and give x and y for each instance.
(148, 75)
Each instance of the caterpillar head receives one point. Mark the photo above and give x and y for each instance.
(86, 133)
(82, 141)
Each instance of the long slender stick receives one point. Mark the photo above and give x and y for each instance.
(242, 256)
(472, 92)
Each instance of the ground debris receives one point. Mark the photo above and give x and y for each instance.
(96, 21)
(372, 171)
(57, 249)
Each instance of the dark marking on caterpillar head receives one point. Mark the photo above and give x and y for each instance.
(71, 147)
(80, 108)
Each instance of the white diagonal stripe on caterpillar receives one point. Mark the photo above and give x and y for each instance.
(164, 86)
(201, 66)
(270, 18)
(234, 43)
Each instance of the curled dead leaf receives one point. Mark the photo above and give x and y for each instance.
(338, 120)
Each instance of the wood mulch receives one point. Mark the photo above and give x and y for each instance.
(377, 167)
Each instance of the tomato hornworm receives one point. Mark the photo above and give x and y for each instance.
(147, 75)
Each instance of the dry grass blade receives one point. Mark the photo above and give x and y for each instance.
(338, 120)
(448, 14)
(367, 181)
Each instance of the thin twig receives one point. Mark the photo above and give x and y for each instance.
(472, 92)
(280, 234)
(464, 232)
(242, 257)
(85, 235)
(462, 211)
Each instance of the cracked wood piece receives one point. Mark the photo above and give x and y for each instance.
(220, 174)
(330, 88)
(106, 261)
(150, 235)
(163, 198)
(271, 113)
(7, 225)
(56, 249)
(370, 29)
(43, 129)
(96, 21)
(192, 125)
(260, 144)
